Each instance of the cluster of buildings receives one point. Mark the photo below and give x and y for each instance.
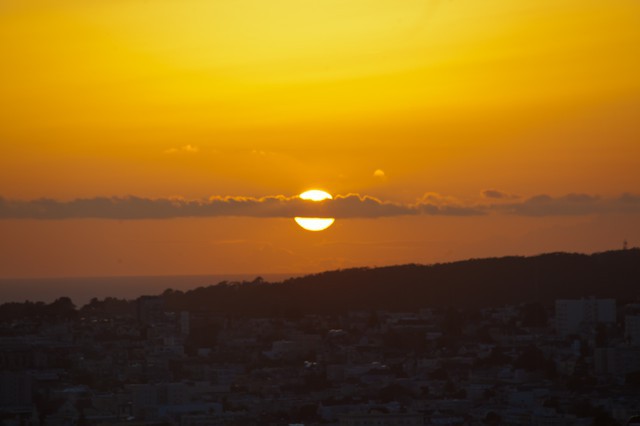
(575, 363)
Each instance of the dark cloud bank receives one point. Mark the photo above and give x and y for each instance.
(342, 206)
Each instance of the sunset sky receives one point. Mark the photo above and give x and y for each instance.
(173, 136)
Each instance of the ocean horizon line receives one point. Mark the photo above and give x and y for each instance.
(82, 289)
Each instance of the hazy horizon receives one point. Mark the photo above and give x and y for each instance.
(82, 289)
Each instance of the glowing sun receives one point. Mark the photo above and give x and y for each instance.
(315, 223)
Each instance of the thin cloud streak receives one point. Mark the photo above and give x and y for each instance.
(572, 205)
(279, 206)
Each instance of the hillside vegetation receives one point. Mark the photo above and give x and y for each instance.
(469, 283)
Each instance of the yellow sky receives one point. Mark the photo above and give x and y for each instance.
(195, 98)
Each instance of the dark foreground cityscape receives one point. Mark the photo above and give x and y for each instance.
(167, 360)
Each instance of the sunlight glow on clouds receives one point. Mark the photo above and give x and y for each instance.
(342, 206)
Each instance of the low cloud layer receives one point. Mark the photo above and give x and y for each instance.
(572, 205)
(498, 195)
(342, 206)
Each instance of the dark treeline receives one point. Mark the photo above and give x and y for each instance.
(63, 309)
(466, 284)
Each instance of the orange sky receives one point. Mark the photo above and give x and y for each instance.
(391, 99)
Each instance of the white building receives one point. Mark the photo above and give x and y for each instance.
(574, 315)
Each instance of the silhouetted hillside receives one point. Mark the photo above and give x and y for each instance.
(470, 283)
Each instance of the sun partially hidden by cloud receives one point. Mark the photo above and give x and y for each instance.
(315, 223)
(315, 195)
(518, 112)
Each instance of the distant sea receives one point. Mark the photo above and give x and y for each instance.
(82, 290)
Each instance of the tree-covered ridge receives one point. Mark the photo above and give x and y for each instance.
(469, 283)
